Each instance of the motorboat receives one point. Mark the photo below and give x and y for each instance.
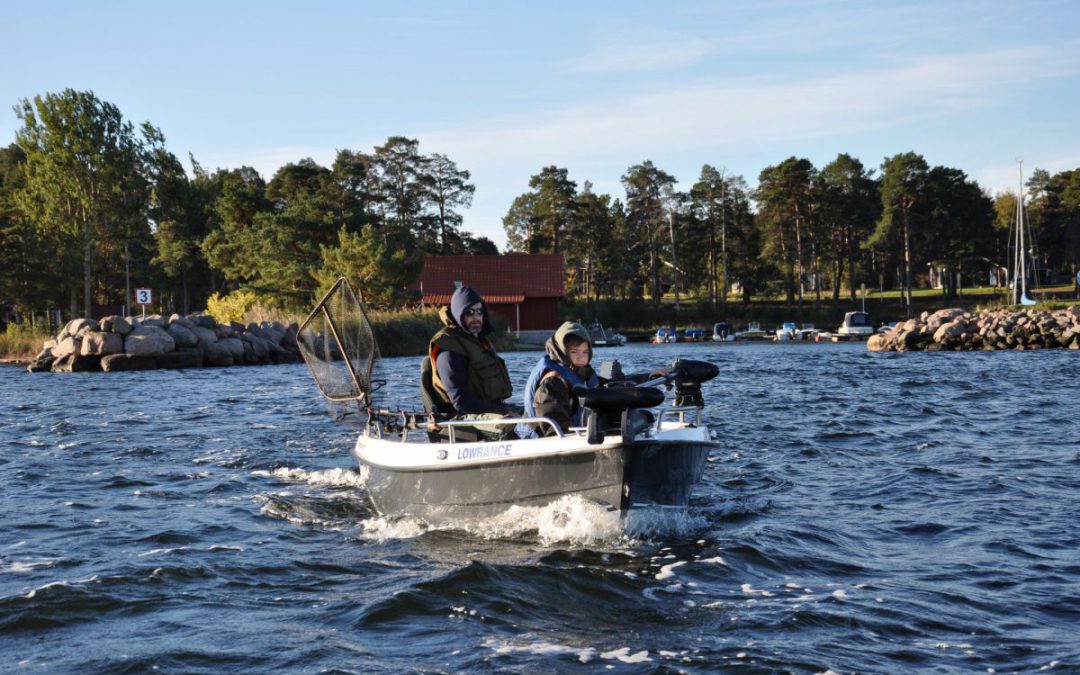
(721, 332)
(635, 450)
(786, 333)
(855, 326)
(806, 333)
(753, 332)
(664, 335)
(599, 337)
(693, 335)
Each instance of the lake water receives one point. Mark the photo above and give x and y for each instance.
(863, 513)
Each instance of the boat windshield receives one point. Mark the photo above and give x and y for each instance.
(858, 319)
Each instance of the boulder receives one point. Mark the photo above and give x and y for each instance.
(154, 320)
(66, 345)
(182, 335)
(116, 324)
(260, 347)
(177, 360)
(76, 327)
(206, 336)
(203, 320)
(76, 363)
(217, 354)
(100, 344)
(117, 362)
(177, 319)
(235, 347)
(878, 343)
(42, 362)
(148, 340)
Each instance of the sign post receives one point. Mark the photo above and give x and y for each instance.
(144, 297)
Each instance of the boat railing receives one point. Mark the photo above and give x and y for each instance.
(680, 414)
(402, 422)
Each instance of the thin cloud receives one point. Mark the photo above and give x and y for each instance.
(755, 111)
(635, 54)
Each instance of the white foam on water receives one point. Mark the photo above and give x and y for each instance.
(666, 572)
(541, 648)
(336, 477)
(623, 654)
(77, 582)
(569, 519)
(161, 551)
(382, 529)
(226, 547)
(23, 567)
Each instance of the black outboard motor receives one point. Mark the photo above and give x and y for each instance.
(607, 404)
(688, 376)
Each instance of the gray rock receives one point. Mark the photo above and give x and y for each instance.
(206, 336)
(217, 354)
(148, 340)
(204, 320)
(76, 327)
(182, 335)
(235, 347)
(178, 360)
(42, 362)
(177, 319)
(66, 346)
(76, 363)
(116, 324)
(118, 362)
(101, 344)
(154, 320)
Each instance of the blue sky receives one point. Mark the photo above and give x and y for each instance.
(506, 88)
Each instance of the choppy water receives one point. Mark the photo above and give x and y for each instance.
(866, 513)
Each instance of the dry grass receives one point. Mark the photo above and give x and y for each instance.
(20, 343)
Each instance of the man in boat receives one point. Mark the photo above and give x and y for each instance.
(567, 362)
(468, 376)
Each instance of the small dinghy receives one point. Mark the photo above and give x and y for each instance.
(633, 451)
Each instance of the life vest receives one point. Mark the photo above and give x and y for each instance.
(546, 368)
(489, 379)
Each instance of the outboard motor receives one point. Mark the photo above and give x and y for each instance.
(688, 376)
(607, 404)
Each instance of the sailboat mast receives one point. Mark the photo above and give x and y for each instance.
(1020, 230)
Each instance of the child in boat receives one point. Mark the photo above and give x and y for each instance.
(567, 362)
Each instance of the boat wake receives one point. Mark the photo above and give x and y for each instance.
(571, 521)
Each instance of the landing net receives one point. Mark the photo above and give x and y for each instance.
(337, 343)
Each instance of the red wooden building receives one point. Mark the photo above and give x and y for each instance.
(522, 289)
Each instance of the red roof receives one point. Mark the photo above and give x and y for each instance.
(501, 279)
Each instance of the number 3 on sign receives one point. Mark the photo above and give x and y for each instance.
(143, 296)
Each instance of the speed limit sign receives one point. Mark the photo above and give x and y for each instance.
(143, 296)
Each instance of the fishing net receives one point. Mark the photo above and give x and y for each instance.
(339, 346)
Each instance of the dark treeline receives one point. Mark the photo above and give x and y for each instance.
(805, 230)
(90, 204)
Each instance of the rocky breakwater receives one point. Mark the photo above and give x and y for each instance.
(194, 341)
(958, 330)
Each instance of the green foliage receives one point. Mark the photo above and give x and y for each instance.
(84, 186)
(380, 272)
(230, 307)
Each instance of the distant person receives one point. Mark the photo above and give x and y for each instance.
(468, 376)
(567, 362)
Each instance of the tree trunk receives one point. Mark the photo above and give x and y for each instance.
(88, 249)
(907, 262)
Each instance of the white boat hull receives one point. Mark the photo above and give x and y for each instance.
(448, 482)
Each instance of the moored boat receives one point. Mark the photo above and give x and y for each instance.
(855, 326)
